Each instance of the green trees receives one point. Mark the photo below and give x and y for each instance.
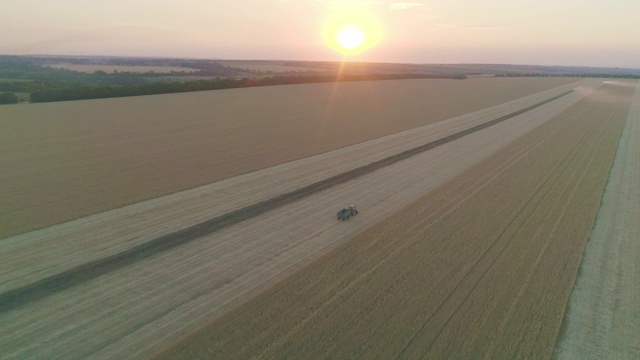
(42, 83)
(70, 91)
(8, 98)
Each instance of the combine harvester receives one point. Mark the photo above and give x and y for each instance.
(348, 212)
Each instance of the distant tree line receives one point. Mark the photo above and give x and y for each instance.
(30, 75)
(8, 98)
(95, 92)
(35, 68)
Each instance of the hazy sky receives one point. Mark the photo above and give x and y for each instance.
(546, 32)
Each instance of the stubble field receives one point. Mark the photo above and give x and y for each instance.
(62, 161)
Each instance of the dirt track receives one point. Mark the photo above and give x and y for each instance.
(481, 268)
(62, 161)
(603, 317)
(132, 311)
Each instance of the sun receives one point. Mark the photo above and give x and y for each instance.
(351, 37)
(351, 31)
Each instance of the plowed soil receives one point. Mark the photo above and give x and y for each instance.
(480, 268)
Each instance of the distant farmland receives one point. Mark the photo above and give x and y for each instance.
(62, 161)
(90, 68)
(267, 66)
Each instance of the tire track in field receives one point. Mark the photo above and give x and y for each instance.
(606, 282)
(581, 154)
(569, 188)
(562, 164)
(530, 276)
(24, 295)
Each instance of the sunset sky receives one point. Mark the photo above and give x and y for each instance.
(545, 32)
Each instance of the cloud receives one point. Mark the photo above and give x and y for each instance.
(404, 5)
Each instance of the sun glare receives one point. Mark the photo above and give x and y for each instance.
(351, 31)
(351, 37)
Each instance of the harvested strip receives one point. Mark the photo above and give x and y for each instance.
(481, 268)
(45, 287)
